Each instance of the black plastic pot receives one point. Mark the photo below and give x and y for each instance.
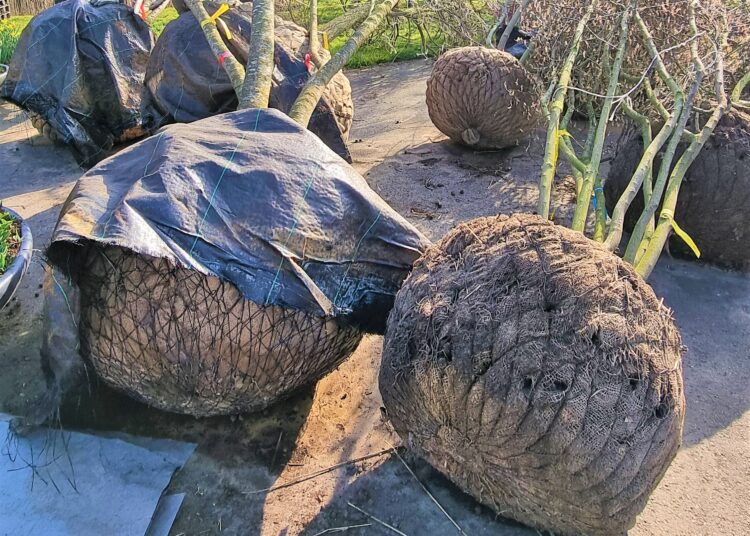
(11, 278)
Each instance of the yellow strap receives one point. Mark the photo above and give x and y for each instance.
(669, 215)
(225, 29)
(325, 41)
(223, 8)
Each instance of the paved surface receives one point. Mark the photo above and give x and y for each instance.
(435, 185)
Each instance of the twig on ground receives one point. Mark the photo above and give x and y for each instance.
(342, 529)
(386, 525)
(430, 495)
(316, 474)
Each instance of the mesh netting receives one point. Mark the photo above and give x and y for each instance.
(190, 343)
(538, 371)
(219, 265)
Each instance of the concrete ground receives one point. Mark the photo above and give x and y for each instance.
(436, 185)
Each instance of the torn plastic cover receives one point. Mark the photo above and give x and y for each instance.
(187, 82)
(254, 199)
(80, 65)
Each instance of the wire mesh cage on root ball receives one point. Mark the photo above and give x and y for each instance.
(714, 194)
(538, 372)
(224, 274)
(204, 351)
(482, 98)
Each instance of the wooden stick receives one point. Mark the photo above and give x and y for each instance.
(342, 529)
(460, 530)
(316, 474)
(386, 525)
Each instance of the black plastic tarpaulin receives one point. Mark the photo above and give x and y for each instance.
(188, 83)
(80, 65)
(255, 199)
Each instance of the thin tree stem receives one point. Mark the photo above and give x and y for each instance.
(590, 176)
(557, 102)
(639, 176)
(308, 98)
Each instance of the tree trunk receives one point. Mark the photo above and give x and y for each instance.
(257, 86)
(232, 67)
(313, 34)
(305, 104)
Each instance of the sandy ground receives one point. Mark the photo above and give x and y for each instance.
(435, 184)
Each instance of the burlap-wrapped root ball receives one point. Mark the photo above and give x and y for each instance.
(714, 196)
(538, 372)
(204, 351)
(483, 98)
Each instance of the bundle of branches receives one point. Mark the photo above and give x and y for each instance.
(669, 22)
(686, 83)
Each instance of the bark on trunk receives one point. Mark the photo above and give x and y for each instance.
(256, 88)
(232, 67)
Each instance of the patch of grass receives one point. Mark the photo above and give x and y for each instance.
(10, 33)
(165, 17)
(10, 239)
(380, 49)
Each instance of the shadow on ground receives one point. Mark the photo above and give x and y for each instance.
(391, 494)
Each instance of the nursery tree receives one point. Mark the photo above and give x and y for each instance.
(639, 97)
(252, 84)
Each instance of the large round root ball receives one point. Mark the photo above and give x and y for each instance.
(189, 343)
(538, 372)
(482, 97)
(714, 196)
